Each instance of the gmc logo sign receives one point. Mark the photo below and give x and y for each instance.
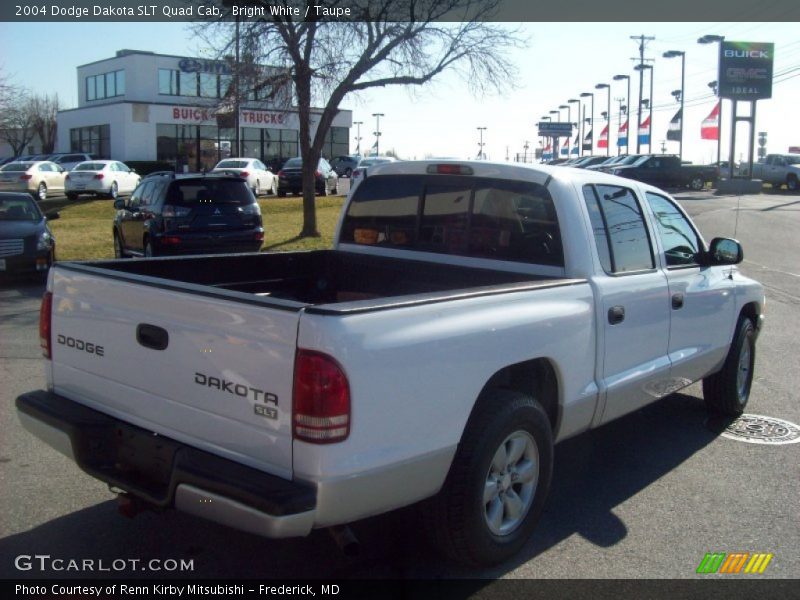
(739, 74)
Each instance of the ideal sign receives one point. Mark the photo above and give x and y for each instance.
(745, 70)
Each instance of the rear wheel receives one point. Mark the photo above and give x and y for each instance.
(497, 485)
(728, 391)
(274, 188)
(148, 249)
(697, 183)
(257, 189)
(282, 193)
(118, 250)
(791, 183)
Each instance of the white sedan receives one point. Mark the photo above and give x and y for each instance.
(101, 177)
(258, 176)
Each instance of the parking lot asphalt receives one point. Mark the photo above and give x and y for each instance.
(646, 496)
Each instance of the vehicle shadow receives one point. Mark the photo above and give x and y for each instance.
(594, 473)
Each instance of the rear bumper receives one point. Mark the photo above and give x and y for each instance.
(167, 473)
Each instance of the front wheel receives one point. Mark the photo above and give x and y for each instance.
(41, 191)
(114, 191)
(728, 391)
(148, 249)
(257, 189)
(497, 485)
(697, 183)
(274, 189)
(791, 183)
(118, 250)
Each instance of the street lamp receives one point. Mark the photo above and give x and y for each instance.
(358, 125)
(643, 68)
(580, 138)
(673, 54)
(628, 110)
(712, 39)
(591, 118)
(549, 118)
(480, 143)
(569, 120)
(378, 132)
(607, 88)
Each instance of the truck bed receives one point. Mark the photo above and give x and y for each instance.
(323, 281)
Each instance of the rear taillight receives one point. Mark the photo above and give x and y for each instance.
(170, 240)
(280, 173)
(244, 174)
(45, 321)
(259, 236)
(321, 399)
(99, 176)
(26, 177)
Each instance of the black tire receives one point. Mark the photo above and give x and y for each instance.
(274, 188)
(148, 249)
(119, 251)
(72, 196)
(41, 192)
(791, 183)
(697, 183)
(728, 391)
(348, 172)
(281, 193)
(458, 517)
(257, 189)
(324, 191)
(113, 191)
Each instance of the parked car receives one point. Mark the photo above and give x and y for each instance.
(469, 316)
(193, 214)
(108, 178)
(257, 174)
(26, 243)
(779, 170)
(626, 160)
(345, 165)
(609, 160)
(360, 173)
(666, 171)
(35, 177)
(69, 161)
(588, 161)
(290, 178)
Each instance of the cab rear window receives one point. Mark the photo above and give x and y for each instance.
(208, 191)
(467, 216)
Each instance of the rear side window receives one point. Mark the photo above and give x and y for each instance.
(209, 191)
(619, 229)
(486, 218)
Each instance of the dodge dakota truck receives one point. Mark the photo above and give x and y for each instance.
(779, 170)
(469, 316)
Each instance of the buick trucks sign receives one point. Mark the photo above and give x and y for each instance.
(745, 70)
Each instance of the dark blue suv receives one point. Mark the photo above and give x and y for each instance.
(194, 214)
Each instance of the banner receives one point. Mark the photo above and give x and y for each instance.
(644, 131)
(675, 126)
(622, 139)
(587, 141)
(709, 129)
(603, 141)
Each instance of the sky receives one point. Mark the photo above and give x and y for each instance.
(559, 61)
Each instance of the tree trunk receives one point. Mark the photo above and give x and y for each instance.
(310, 157)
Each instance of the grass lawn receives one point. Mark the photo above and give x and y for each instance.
(84, 230)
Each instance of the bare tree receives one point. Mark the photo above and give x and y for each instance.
(16, 118)
(387, 42)
(44, 109)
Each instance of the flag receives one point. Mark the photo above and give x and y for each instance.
(548, 152)
(587, 141)
(622, 136)
(564, 150)
(603, 141)
(709, 130)
(675, 126)
(576, 144)
(644, 131)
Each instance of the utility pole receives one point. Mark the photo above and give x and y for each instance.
(642, 39)
(480, 143)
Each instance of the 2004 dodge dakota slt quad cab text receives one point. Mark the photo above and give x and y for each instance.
(469, 316)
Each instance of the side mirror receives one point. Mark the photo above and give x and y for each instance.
(52, 216)
(725, 251)
(119, 203)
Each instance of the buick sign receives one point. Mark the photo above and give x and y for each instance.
(745, 70)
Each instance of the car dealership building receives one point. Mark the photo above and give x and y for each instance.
(140, 106)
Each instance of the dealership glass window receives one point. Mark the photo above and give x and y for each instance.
(168, 82)
(225, 85)
(95, 140)
(619, 228)
(336, 142)
(105, 85)
(208, 85)
(289, 143)
(188, 84)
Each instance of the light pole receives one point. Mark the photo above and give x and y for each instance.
(480, 143)
(591, 118)
(712, 39)
(673, 54)
(627, 111)
(554, 138)
(641, 68)
(378, 132)
(607, 88)
(541, 143)
(569, 120)
(578, 116)
(525, 155)
(358, 125)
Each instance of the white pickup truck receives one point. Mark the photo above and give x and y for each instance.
(778, 170)
(469, 316)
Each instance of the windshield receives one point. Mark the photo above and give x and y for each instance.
(232, 164)
(209, 191)
(18, 208)
(640, 161)
(90, 166)
(17, 166)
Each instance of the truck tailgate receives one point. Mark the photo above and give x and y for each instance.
(205, 371)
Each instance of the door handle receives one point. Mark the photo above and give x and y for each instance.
(152, 336)
(616, 315)
(677, 301)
